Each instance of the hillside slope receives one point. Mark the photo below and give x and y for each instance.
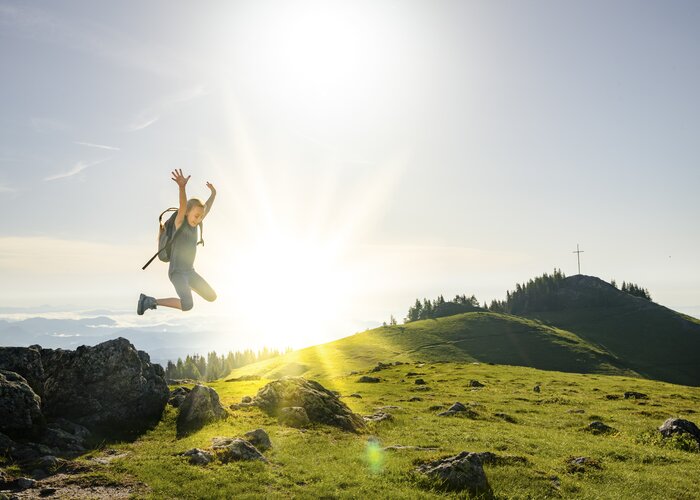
(476, 336)
(648, 338)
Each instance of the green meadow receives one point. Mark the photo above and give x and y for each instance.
(534, 432)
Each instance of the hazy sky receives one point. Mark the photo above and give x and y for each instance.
(365, 152)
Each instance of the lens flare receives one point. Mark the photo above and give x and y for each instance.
(374, 455)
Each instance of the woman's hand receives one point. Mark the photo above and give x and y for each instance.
(211, 187)
(179, 178)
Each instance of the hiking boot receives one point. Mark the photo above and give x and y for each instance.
(145, 302)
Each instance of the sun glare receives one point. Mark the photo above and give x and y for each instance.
(285, 290)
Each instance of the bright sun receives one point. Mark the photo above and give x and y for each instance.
(285, 291)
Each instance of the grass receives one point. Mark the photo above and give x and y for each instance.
(324, 462)
(476, 336)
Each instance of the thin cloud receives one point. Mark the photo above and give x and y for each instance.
(99, 146)
(77, 168)
(141, 123)
(42, 124)
(6, 189)
(150, 115)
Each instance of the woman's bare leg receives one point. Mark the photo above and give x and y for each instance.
(171, 302)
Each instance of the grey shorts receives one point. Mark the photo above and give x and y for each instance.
(185, 282)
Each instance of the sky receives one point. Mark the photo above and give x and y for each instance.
(365, 153)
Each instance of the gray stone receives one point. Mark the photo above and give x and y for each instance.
(319, 404)
(26, 361)
(379, 416)
(177, 396)
(110, 388)
(355, 395)
(238, 449)
(536, 388)
(259, 439)
(463, 472)
(201, 407)
(294, 416)
(680, 426)
(198, 457)
(419, 381)
(20, 407)
(365, 379)
(475, 383)
(635, 395)
(246, 399)
(457, 407)
(598, 427)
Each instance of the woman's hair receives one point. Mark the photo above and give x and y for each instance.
(194, 202)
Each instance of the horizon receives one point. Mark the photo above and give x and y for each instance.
(365, 154)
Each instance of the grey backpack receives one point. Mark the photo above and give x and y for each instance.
(167, 234)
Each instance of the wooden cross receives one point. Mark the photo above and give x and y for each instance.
(578, 256)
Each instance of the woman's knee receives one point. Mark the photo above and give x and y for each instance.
(186, 304)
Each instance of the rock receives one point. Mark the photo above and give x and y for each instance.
(635, 395)
(365, 379)
(536, 388)
(581, 464)
(294, 416)
(468, 413)
(612, 397)
(680, 426)
(198, 457)
(379, 416)
(414, 374)
(200, 407)
(420, 381)
(422, 388)
(400, 447)
(475, 383)
(6, 445)
(578, 410)
(110, 388)
(20, 484)
(463, 472)
(57, 438)
(177, 396)
(238, 449)
(259, 439)
(598, 427)
(320, 404)
(414, 399)
(457, 407)
(20, 407)
(25, 361)
(355, 395)
(246, 399)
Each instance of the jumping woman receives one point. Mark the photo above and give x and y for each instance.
(184, 249)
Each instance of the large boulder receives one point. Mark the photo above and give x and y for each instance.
(20, 407)
(320, 404)
(110, 388)
(680, 426)
(200, 407)
(25, 361)
(463, 472)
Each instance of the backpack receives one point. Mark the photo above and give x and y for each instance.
(167, 234)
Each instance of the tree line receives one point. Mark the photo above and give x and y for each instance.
(538, 294)
(214, 366)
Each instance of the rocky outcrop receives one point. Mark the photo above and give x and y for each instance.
(320, 404)
(463, 472)
(200, 407)
(110, 388)
(20, 407)
(25, 361)
(673, 426)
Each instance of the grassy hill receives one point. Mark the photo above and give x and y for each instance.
(536, 432)
(595, 329)
(476, 336)
(648, 338)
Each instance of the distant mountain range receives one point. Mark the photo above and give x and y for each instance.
(595, 328)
